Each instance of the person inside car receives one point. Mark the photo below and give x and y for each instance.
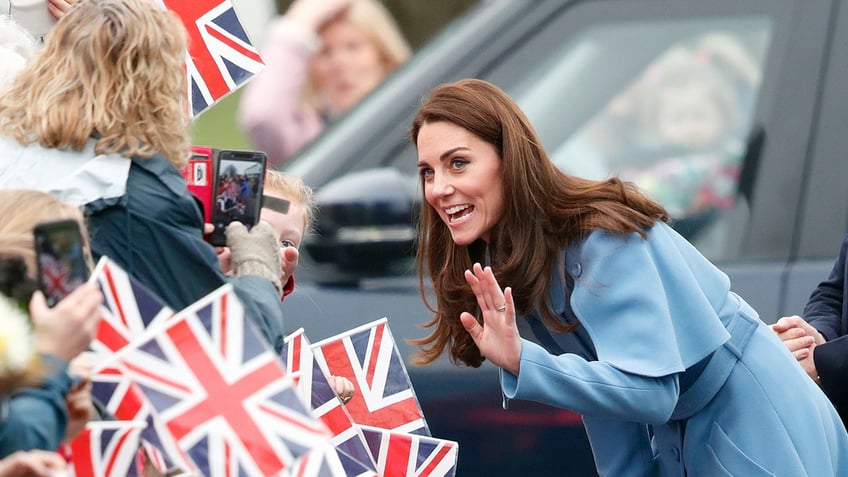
(321, 57)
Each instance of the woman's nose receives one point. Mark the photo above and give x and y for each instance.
(442, 185)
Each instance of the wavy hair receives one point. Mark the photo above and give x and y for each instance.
(545, 210)
(109, 69)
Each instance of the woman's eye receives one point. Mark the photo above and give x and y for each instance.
(458, 163)
(426, 173)
(286, 243)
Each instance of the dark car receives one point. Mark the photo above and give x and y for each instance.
(618, 87)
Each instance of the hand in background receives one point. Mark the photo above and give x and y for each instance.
(66, 329)
(79, 399)
(34, 463)
(801, 339)
(224, 254)
(58, 8)
(311, 14)
(343, 387)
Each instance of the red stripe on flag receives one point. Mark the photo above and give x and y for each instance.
(232, 44)
(109, 336)
(111, 464)
(375, 355)
(442, 452)
(296, 346)
(111, 282)
(397, 456)
(157, 377)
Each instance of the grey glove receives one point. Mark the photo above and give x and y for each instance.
(255, 252)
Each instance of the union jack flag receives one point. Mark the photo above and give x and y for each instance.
(55, 277)
(107, 449)
(124, 400)
(128, 307)
(329, 461)
(384, 395)
(409, 455)
(220, 56)
(312, 385)
(221, 392)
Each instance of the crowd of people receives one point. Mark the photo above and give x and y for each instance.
(93, 128)
(673, 373)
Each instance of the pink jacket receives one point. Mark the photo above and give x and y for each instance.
(271, 111)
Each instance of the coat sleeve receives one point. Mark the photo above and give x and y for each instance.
(650, 309)
(825, 306)
(36, 417)
(271, 110)
(590, 388)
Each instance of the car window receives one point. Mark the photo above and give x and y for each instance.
(667, 105)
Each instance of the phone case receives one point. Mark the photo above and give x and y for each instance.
(199, 174)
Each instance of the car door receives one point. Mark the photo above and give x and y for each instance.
(823, 216)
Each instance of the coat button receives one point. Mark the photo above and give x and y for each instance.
(576, 269)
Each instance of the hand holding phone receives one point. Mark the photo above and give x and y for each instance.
(239, 181)
(61, 258)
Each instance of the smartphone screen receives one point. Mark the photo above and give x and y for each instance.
(239, 180)
(60, 257)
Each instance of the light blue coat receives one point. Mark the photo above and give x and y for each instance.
(663, 345)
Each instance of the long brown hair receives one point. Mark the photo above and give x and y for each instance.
(113, 69)
(545, 210)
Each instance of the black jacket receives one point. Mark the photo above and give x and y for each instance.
(827, 311)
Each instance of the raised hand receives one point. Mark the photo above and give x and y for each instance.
(497, 337)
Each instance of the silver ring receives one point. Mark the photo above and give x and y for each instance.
(346, 399)
(501, 308)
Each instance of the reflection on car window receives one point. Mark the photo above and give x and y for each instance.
(666, 105)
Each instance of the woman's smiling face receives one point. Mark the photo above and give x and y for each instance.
(462, 180)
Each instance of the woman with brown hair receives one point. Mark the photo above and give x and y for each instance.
(634, 329)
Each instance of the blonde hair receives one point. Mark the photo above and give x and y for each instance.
(22, 210)
(109, 69)
(372, 19)
(292, 188)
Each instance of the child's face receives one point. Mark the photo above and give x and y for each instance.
(289, 227)
(689, 116)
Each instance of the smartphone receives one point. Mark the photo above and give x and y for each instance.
(61, 258)
(198, 174)
(239, 181)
